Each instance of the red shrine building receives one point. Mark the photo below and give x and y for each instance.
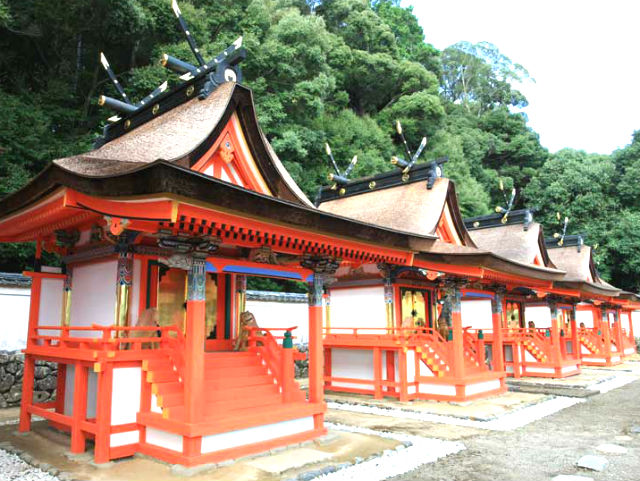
(604, 313)
(419, 332)
(539, 330)
(183, 201)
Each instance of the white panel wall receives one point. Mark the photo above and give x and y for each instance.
(14, 317)
(51, 297)
(358, 307)
(164, 439)
(635, 319)
(352, 363)
(540, 315)
(624, 321)
(282, 314)
(125, 397)
(476, 314)
(94, 295)
(92, 393)
(586, 317)
(242, 437)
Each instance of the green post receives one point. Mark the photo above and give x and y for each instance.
(287, 343)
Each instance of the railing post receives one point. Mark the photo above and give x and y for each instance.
(481, 355)
(575, 338)
(555, 332)
(287, 368)
(606, 334)
(456, 329)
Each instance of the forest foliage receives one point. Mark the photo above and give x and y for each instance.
(336, 71)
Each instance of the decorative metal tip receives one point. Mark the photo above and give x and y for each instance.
(175, 7)
(163, 86)
(342, 191)
(327, 148)
(405, 177)
(394, 160)
(330, 176)
(513, 192)
(476, 224)
(499, 209)
(501, 185)
(372, 184)
(398, 127)
(556, 235)
(164, 59)
(238, 42)
(104, 61)
(566, 220)
(334, 186)
(558, 215)
(423, 143)
(561, 242)
(101, 100)
(354, 161)
(504, 218)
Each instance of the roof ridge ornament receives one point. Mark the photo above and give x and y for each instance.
(223, 68)
(339, 178)
(508, 203)
(562, 236)
(125, 106)
(403, 164)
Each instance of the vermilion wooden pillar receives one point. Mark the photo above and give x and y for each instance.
(456, 327)
(618, 331)
(29, 361)
(316, 392)
(575, 340)
(631, 336)
(606, 333)
(194, 342)
(555, 332)
(497, 348)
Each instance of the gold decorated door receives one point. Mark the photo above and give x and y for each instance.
(415, 308)
(515, 315)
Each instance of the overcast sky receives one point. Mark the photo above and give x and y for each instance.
(583, 55)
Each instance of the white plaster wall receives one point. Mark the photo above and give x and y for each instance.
(164, 439)
(282, 314)
(352, 363)
(92, 393)
(51, 300)
(482, 387)
(635, 319)
(358, 307)
(476, 314)
(411, 365)
(624, 321)
(14, 317)
(586, 317)
(125, 395)
(93, 300)
(540, 315)
(256, 434)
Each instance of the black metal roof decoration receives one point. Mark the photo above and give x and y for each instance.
(575, 240)
(558, 238)
(521, 216)
(403, 164)
(203, 79)
(428, 171)
(339, 178)
(508, 203)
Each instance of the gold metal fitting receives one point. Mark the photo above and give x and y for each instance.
(405, 177)
(476, 224)
(189, 90)
(394, 160)
(101, 100)
(164, 60)
(342, 191)
(127, 124)
(330, 176)
(155, 109)
(372, 184)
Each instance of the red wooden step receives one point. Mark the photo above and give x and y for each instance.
(234, 372)
(219, 395)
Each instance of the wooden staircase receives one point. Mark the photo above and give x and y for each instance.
(235, 382)
(587, 342)
(433, 356)
(538, 352)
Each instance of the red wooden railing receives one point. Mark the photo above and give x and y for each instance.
(278, 358)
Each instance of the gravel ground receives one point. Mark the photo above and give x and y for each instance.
(12, 468)
(551, 446)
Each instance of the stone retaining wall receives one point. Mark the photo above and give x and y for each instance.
(11, 370)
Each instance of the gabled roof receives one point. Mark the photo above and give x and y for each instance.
(519, 238)
(405, 206)
(183, 134)
(576, 259)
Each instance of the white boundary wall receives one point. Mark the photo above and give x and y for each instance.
(14, 317)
